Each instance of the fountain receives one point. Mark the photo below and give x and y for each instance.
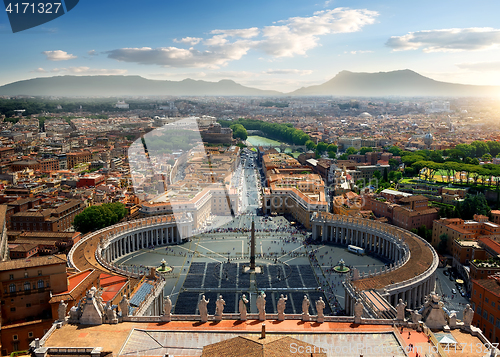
(163, 268)
(341, 268)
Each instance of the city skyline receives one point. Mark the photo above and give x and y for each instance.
(278, 45)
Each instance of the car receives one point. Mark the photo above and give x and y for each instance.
(453, 291)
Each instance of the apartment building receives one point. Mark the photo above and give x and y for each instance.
(459, 229)
(25, 287)
(56, 218)
(485, 301)
(75, 158)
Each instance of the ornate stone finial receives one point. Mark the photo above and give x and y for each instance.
(243, 307)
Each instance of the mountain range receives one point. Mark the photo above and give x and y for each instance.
(394, 83)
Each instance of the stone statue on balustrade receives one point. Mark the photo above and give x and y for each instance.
(305, 308)
(74, 315)
(281, 307)
(202, 308)
(452, 320)
(358, 311)
(242, 307)
(433, 314)
(468, 315)
(261, 306)
(111, 317)
(91, 311)
(124, 306)
(167, 309)
(416, 317)
(320, 306)
(100, 302)
(61, 311)
(219, 308)
(400, 310)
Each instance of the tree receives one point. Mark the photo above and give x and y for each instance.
(480, 147)
(393, 163)
(351, 151)
(473, 205)
(443, 243)
(332, 147)
(310, 145)
(377, 175)
(385, 177)
(321, 147)
(97, 217)
(239, 131)
(364, 150)
(343, 157)
(465, 150)
(425, 233)
(331, 154)
(395, 176)
(494, 147)
(486, 157)
(395, 151)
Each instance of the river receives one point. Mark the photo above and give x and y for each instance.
(256, 140)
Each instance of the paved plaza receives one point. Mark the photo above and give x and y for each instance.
(212, 263)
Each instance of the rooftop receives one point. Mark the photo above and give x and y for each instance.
(33, 262)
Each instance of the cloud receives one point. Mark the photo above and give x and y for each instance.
(243, 33)
(328, 3)
(294, 36)
(58, 55)
(178, 57)
(480, 66)
(189, 40)
(82, 71)
(447, 40)
(288, 71)
(297, 35)
(92, 53)
(357, 52)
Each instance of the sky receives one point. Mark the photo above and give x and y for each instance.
(281, 45)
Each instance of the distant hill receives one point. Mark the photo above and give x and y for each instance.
(89, 86)
(394, 83)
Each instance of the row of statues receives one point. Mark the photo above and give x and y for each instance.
(261, 307)
(92, 310)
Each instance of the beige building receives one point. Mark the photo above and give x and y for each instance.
(297, 195)
(458, 229)
(26, 287)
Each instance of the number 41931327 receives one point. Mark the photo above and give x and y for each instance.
(33, 8)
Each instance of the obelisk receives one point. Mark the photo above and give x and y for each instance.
(252, 247)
